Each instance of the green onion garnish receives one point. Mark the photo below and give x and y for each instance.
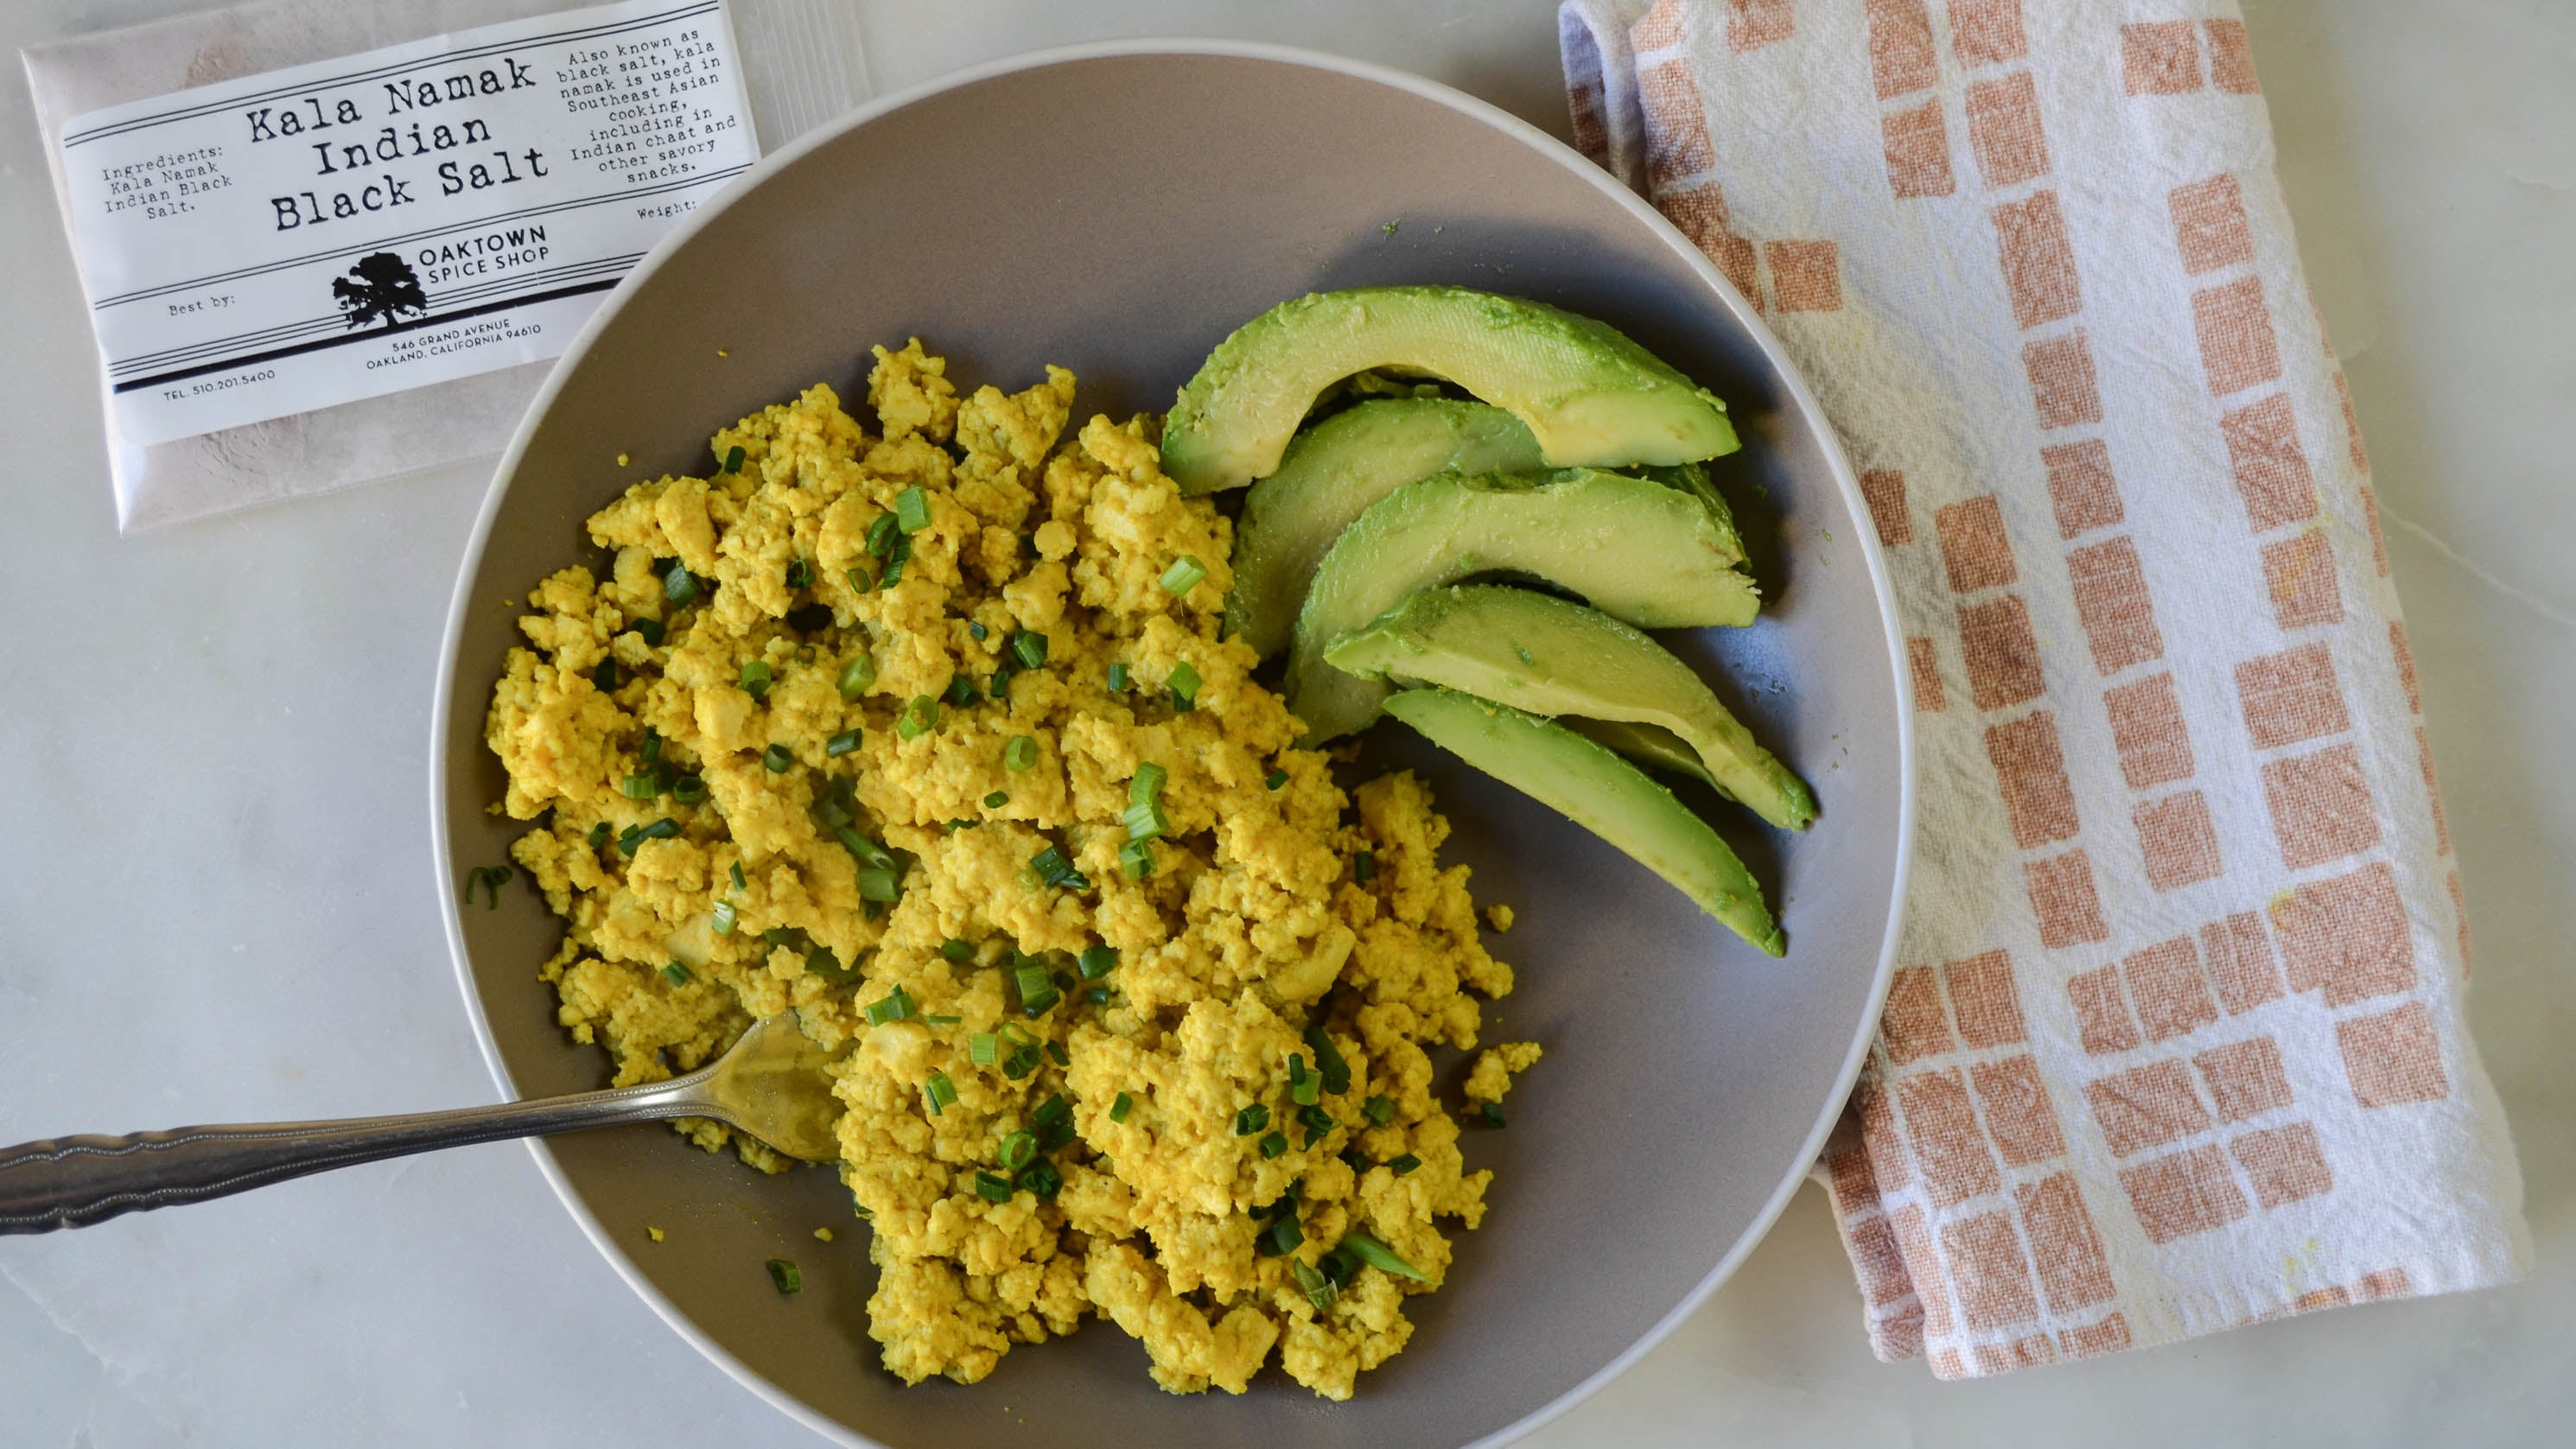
(649, 629)
(1054, 870)
(1492, 1112)
(976, 631)
(1020, 754)
(879, 885)
(983, 1049)
(858, 674)
(1120, 1106)
(650, 749)
(1000, 685)
(1285, 1235)
(1037, 993)
(1183, 575)
(941, 1091)
(739, 883)
(1184, 683)
(782, 1274)
(1044, 1179)
(869, 853)
(821, 962)
(991, 1188)
(919, 718)
(1303, 1086)
(857, 578)
(755, 679)
(895, 1005)
(800, 574)
(1403, 1164)
(603, 677)
(961, 691)
(943, 1020)
(832, 813)
(1021, 1062)
(1316, 1121)
(957, 949)
(690, 789)
(778, 758)
(1136, 858)
(1275, 779)
(1053, 1110)
(677, 973)
(1319, 1290)
(679, 586)
(1273, 1144)
(1029, 647)
(882, 534)
(721, 920)
(896, 558)
(1096, 962)
(1251, 1119)
(1017, 1150)
(1147, 783)
(1118, 677)
(1056, 1053)
(997, 799)
(643, 785)
(1381, 1257)
(912, 510)
(841, 744)
(1097, 996)
(1378, 1110)
(1328, 1061)
(1364, 867)
(733, 459)
(599, 835)
(1145, 820)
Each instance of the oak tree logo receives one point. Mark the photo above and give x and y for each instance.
(385, 286)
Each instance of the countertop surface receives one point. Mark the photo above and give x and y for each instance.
(220, 901)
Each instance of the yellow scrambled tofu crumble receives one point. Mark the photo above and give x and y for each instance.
(927, 734)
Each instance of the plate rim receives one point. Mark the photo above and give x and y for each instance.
(444, 699)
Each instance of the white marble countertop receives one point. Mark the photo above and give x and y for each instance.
(219, 899)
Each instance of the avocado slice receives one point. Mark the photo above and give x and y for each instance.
(1647, 553)
(1600, 792)
(1552, 657)
(1589, 395)
(1330, 475)
(1652, 746)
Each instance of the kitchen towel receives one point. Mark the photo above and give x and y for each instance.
(2177, 1038)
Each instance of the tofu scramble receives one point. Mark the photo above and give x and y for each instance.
(927, 734)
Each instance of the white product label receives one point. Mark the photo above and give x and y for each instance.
(311, 236)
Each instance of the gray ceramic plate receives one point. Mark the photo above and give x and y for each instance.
(1118, 210)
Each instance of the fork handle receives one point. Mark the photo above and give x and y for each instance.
(73, 1182)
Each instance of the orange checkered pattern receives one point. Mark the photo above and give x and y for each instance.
(2176, 1041)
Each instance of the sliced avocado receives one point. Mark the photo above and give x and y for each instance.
(1549, 656)
(1330, 475)
(1693, 479)
(1637, 549)
(1652, 746)
(1590, 396)
(1600, 792)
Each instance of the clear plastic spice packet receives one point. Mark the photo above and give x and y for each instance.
(327, 244)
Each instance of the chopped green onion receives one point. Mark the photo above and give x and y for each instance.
(1044, 1179)
(1284, 1236)
(961, 691)
(957, 950)
(983, 1049)
(840, 744)
(1147, 783)
(976, 631)
(1118, 677)
(679, 586)
(800, 574)
(1055, 1052)
(857, 578)
(650, 749)
(733, 459)
(1017, 1151)
(858, 674)
(895, 1005)
(1136, 858)
(919, 717)
(739, 883)
(1381, 1257)
(895, 560)
(1183, 575)
(1120, 1106)
(721, 920)
(941, 1091)
(778, 758)
(782, 1274)
(1378, 1110)
(644, 785)
(604, 677)
(1328, 1061)
(1053, 1110)
(1000, 686)
(880, 886)
(1145, 820)
(690, 789)
(599, 835)
(1275, 779)
(1097, 996)
(1316, 1121)
(650, 630)
(1319, 1290)
(1492, 1112)
(1184, 683)
(755, 679)
(912, 510)
(868, 851)
(1021, 1062)
(1303, 1086)
(997, 799)
(1029, 647)
(832, 813)
(1364, 867)
(1096, 962)
(1054, 870)
(1251, 1119)
(1020, 754)
(1272, 1145)
(1037, 993)
(1403, 1164)
(882, 534)
(677, 973)
(991, 1188)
